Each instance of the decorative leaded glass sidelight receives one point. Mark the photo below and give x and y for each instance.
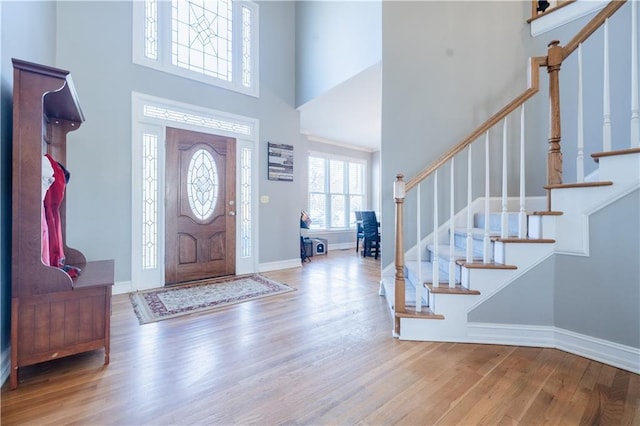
(202, 184)
(149, 201)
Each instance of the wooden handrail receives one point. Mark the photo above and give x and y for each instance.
(591, 27)
(534, 84)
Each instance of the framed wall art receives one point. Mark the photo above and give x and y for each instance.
(280, 162)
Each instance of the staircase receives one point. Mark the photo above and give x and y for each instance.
(447, 311)
(502, 253)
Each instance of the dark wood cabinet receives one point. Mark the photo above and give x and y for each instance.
(52, 314)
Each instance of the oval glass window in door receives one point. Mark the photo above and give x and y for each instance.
(202, 184)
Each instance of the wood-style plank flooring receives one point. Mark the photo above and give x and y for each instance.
(322, 355)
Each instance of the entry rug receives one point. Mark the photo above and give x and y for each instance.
(170, 302)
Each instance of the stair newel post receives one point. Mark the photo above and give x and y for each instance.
(554, 156)
(399, 283)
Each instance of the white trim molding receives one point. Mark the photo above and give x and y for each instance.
(152, 115)
(610, 353)
(281, 264)
(564, 15)
(122, 287)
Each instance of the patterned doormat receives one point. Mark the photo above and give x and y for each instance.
(170, 302)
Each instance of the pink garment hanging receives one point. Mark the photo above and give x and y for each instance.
(52, 201)
(47, 180)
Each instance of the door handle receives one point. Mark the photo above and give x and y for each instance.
(232, 213)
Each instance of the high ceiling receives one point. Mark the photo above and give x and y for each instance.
(348, 114)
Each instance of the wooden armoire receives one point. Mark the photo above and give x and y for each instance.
(52, 314)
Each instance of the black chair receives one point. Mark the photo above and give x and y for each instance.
(359, 230)
(371, 245)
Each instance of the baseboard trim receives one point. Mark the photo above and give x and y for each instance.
(340, 246)
(281, 264)
(122, 287)
(5, 364)
(610, 353)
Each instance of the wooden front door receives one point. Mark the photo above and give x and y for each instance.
(199, 206)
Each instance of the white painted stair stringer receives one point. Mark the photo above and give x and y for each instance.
(572, 228)
(455, 308)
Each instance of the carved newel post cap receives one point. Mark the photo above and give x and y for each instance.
(398, 187)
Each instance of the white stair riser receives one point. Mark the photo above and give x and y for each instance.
(521, 254)
(542, 227)
(495, 222)
(460, 240)
(616, 169)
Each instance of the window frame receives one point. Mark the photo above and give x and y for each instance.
(164, 62)
(346, 160)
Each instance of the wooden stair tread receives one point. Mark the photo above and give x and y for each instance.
(578, 185)
(597, 155)
(482, 265)
(527, 240)
(426, 313)
(458, 289)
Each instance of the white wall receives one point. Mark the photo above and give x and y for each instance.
(335, 40)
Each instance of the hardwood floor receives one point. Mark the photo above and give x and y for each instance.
(320, 355)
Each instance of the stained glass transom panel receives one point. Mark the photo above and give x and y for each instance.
(196, 120)
(201, 34)
(202, 184)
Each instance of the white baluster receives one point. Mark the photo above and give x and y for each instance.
(452, 258)
(606, 101)
(522, 217)
(469, 212)
(635, 109)
(435, 261)
(580, 157)
(486, 256)
(504, 225)
(419, 254)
